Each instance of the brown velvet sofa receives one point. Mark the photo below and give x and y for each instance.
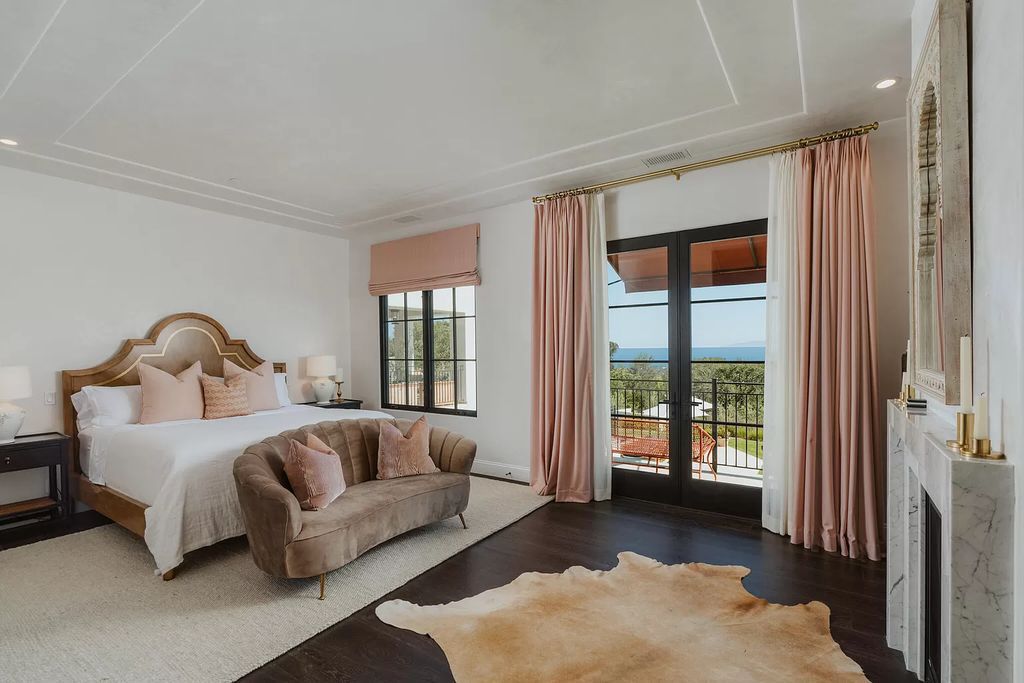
(290, 542)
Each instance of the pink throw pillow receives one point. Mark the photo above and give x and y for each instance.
(401, 455)
(167, 397)
(314, 473)
(259, 384)
(224, 399)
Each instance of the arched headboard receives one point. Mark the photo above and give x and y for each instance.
(173, 344)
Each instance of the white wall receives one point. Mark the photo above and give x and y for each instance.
(86, 267)
(997, 185)
(725, 194)
(997, 123)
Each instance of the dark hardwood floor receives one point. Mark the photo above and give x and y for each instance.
(361, 648)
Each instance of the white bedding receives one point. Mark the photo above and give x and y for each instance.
(182, 470)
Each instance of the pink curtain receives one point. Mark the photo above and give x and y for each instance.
(561, 428)
(836, 468)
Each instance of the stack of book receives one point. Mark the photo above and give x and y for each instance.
(917, 406)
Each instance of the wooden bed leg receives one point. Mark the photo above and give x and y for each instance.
(170, 574)
(463, 519)
(323, 581)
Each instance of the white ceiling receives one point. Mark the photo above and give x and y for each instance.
(339, 117)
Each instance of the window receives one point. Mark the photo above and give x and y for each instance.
(428, 350)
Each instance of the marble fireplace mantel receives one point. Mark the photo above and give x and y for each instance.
(975, 499)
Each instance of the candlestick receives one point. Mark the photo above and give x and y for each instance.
(981, 418)
(966, 375)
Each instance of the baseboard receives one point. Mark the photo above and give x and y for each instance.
(500, 470)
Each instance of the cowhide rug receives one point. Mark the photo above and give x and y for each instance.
(642, 621)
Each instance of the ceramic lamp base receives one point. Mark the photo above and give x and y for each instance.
(11, 419)
(323, 389)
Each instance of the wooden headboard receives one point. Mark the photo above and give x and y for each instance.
(173, 344)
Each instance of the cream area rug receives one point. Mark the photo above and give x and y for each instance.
(86, 607)
(641, 621)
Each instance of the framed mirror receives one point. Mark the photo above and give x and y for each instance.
(940, 204)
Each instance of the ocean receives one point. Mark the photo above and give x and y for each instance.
(748, 353)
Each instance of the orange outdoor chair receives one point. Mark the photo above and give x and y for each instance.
(703, 445)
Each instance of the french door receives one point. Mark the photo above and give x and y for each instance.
(686, 324)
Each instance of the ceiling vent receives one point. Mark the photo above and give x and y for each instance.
(408, 219)
(667, 158)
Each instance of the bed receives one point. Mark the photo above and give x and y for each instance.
(171, 482)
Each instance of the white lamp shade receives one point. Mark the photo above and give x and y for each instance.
(15, 382)
(321, 366)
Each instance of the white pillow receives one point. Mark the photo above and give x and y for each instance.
(281, 384)
(83, 410)
(112, 406)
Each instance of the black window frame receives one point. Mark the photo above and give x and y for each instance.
(428, 356)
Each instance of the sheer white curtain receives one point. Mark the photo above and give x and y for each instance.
(781, 369)
(601, 372)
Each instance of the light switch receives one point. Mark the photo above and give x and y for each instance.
(50, 398)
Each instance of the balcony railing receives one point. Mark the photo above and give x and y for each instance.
(444, 393)
(729, 413)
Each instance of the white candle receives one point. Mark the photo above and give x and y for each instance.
(910, 362)
(905, 380)
(340, 377)
(966, 375)
(981, 418)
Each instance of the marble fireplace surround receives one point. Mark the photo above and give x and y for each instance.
(975, 499)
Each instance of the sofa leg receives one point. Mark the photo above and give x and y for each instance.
(170, 574)
(323, 582)
(463, 521)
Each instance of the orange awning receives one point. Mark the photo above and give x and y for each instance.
(736, 261)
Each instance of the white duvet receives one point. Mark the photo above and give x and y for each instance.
(183, 472)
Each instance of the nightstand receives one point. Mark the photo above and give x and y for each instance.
(51, 450)
(349, 403)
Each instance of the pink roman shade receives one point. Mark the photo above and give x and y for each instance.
(439, 259)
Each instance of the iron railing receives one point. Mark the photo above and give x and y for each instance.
(730, 411)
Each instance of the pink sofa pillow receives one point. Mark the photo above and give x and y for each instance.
(167, 397)
(314, 473)
(259, 384)
(403, 455)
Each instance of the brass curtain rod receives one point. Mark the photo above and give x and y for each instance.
(678, 171)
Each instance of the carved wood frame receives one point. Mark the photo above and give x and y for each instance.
(944, 65)
(173, 344)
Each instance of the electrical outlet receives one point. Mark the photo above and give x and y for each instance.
(50, 398)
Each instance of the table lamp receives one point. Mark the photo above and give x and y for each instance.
(321, 368)
(15, 383)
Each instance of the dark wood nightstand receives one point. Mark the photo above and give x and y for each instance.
(51, 450)
(349, 403)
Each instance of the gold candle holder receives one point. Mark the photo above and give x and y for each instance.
(964, 430)
(338, 397)
(981, 448)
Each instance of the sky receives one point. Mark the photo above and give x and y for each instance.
(714, 324)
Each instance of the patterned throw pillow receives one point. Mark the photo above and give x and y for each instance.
(314, 473)
(228, 399)
(403, 455)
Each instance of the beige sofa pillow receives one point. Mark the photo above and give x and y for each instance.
(314, 473)
(224, 399)
(259, 384)
(166, 397)
(403, 455)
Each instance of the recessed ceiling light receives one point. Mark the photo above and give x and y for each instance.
(885, 83)
(8, 142)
